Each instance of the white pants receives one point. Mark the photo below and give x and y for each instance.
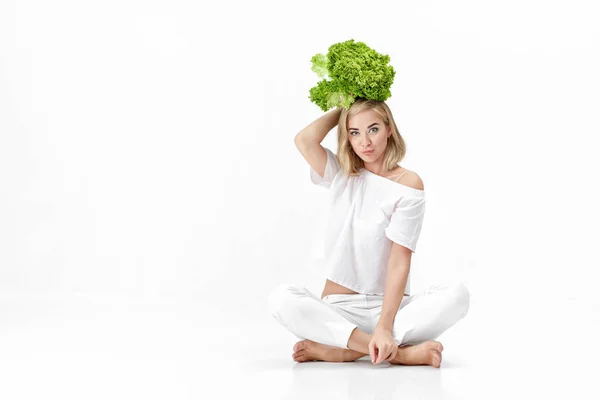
(331, 320)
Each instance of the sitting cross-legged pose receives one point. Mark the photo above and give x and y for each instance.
(373, 220)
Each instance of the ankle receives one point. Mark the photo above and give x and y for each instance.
(400, 354)
(351, 355)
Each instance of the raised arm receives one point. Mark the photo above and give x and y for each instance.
(308, 140)
(316, 131)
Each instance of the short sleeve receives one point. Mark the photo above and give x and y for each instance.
(331, 169)
(406, 221)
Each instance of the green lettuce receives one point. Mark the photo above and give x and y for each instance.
(355, 70)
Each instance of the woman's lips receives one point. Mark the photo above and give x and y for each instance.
(366, 153)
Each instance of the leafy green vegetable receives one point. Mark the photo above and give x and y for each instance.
(355, 70)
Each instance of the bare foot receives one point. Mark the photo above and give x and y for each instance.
(307, 350)
(426, 353)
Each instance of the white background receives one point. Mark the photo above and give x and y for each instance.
(147, 160)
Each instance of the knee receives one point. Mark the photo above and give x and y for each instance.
(278, 296)
(462, 299)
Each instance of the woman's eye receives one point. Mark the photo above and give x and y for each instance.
(353, 132)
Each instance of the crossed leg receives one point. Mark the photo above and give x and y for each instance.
(426, 353)
(422, 317)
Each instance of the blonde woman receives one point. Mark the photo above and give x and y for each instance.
(374, 218)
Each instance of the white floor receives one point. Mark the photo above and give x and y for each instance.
(108, 346)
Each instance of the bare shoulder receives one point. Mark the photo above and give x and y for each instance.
(412, 179)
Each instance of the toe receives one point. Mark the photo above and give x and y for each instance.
(437, 358)
(300, 355)
(300, 345)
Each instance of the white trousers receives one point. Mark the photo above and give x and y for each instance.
(331, 320)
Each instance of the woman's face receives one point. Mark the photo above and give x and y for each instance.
(367, 132)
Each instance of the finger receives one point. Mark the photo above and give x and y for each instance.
(375, 354)
(392, 355)
(384, 356)
(386, 353)
(372, 351)
(380, 354)
(389, 353)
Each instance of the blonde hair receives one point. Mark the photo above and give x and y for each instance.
(395, 149)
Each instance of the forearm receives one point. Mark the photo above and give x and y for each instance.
(316, 131)
(395, 283)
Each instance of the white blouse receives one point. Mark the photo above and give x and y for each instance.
(363, 215)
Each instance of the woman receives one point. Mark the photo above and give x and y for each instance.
(375, 215)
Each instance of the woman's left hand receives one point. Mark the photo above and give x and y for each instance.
(382, 346)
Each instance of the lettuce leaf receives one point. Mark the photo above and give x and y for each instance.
(355, 70)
